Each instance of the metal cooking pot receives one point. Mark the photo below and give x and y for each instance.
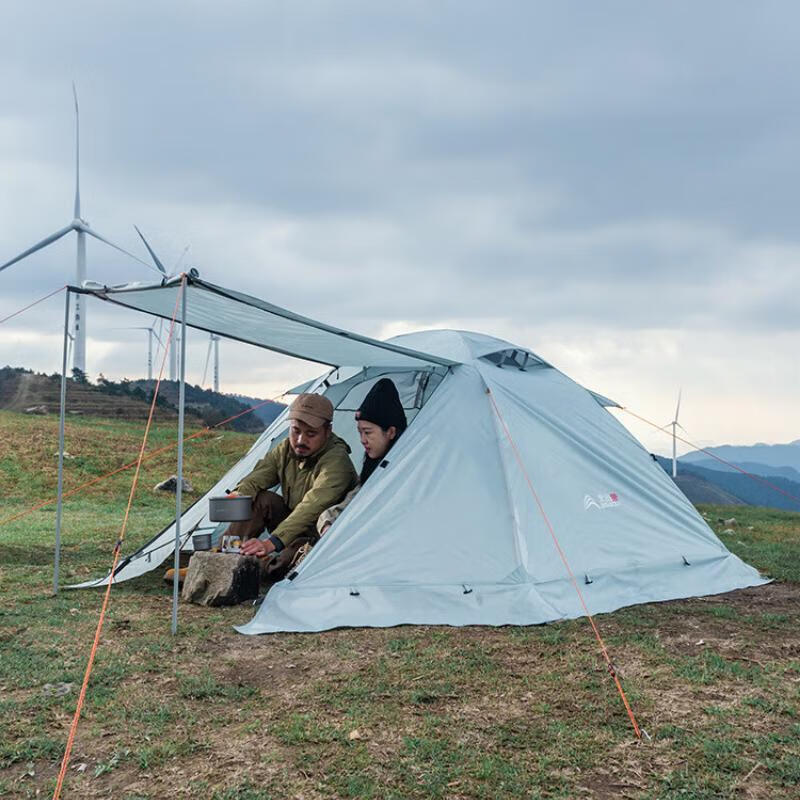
(201, 541)
(230, 509)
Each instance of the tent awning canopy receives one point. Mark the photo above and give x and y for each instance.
(244, 318)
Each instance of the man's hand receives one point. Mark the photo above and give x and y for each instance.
(232, 494)
(255, 547)
(325, 528)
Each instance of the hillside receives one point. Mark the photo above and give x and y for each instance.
(215, 406)
(25, 391)
(34, 393)
(266, 411)
(743, 487)
(699, 490)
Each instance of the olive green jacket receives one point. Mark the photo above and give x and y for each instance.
(308, 485)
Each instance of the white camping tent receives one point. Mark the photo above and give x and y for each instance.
(506, 461)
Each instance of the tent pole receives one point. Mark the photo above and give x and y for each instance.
(59, 504)
(179, 487)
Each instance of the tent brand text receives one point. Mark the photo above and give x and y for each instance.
(600, 501)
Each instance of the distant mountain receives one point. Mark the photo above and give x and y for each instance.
(747, 489)
(771, 455)
(749, 466)
(213, 407)
(266, 412)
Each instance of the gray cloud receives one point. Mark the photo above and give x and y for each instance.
(614, 168)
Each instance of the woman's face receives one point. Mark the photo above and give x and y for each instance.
(374, 439)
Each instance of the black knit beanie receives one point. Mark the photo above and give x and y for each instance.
(382, 406)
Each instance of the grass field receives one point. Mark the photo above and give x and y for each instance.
(410, 712)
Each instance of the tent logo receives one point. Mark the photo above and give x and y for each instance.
(600, 501)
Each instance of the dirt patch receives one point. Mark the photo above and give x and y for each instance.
(749, 625)
(778, 597)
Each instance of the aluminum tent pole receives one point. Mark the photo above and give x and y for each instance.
(59, 504)
(179, 487)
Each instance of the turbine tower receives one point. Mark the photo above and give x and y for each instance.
(174, 347)
(675, 425)
(82, 229)
(151, 334)
(215, 339)
(213, 343)
(79, 331)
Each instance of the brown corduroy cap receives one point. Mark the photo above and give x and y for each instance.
(313, 409)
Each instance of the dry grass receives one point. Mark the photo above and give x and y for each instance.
(411, 712)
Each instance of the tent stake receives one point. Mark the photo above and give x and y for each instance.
(179, 486)
(59, 504)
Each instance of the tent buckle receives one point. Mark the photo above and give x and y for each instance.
(587, 580)
(355, 593)
(467, 589)
(686, 562)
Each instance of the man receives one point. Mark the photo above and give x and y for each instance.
(314, 470)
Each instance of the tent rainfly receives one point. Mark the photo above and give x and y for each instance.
(505, 461)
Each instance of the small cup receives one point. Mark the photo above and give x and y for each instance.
(201, 541)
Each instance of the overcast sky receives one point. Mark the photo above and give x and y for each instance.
(613, 185)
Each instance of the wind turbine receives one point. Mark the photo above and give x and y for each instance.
(212, 342)
(82, 229)
(675, 424)
(151, 333)
(174, 345)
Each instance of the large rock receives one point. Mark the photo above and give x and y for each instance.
(221, 579)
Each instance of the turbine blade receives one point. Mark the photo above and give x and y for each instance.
(49, 240)
(151, 251)
(183, 255)
(152, 330)
(678, 407)
(208, 356)
(87, 229)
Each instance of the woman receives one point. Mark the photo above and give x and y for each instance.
(380, 420)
